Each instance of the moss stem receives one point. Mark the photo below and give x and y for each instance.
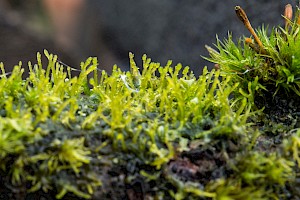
(243, 17)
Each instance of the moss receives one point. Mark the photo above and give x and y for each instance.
(77, 124)
(274, 67)
(158, 132)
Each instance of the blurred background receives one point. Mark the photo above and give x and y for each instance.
(163, 29)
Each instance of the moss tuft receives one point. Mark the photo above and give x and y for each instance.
(156, 131)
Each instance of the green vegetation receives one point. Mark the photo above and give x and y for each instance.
(273, 68)
(157, 132)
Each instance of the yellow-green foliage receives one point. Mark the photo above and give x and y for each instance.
(56, 129)
(268, 77)
(14, 132)
(180, 136)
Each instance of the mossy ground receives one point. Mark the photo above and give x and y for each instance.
(155, 132)
(158, 134)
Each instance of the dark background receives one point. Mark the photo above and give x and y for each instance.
(163, 29)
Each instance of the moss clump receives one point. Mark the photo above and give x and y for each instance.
(272, 65)
(153, 133)
(135, 122)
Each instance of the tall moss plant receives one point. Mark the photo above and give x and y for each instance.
(269, 61)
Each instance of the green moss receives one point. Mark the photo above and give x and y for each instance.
(276, 69)
(159, 131)
(140, 114)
